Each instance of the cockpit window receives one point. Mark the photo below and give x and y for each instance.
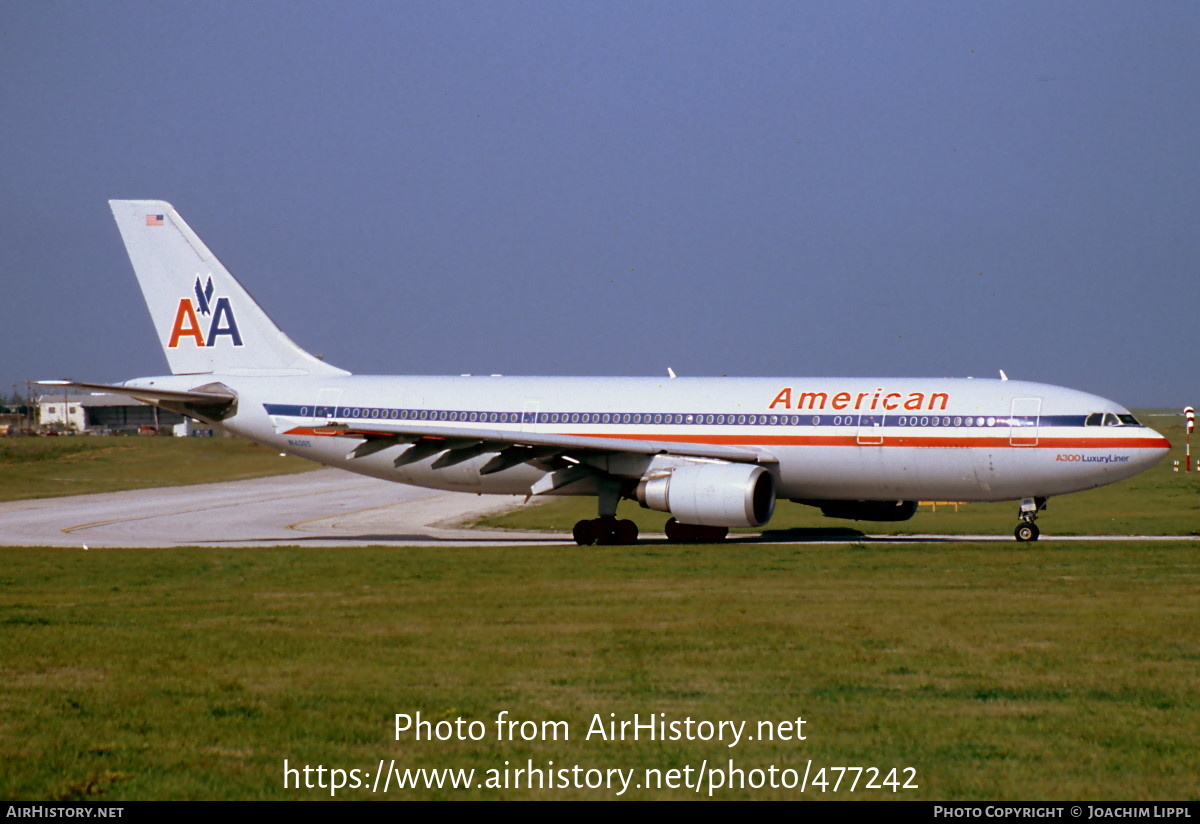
(1110, 419)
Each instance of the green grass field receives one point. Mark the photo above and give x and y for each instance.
(995, 671)
(52, 467)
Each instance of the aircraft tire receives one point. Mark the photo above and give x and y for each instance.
(711, 534)
(1027, 532)
(605, 532)
(694, 534)
(675, 531)
(585, 532)
(626, 532)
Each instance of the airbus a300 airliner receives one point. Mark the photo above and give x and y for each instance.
(713, 452)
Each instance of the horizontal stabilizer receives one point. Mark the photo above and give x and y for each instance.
(143, 394)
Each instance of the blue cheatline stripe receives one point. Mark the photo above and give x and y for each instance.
(670, 418)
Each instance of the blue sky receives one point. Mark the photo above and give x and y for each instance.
(792, 189)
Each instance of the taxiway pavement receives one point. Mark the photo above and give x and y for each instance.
(331, 508)
(325, 507)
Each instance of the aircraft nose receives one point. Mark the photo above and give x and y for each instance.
(1157, 449)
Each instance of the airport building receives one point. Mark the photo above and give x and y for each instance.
(105, 414)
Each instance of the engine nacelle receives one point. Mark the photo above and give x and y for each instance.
(866, 510)
(712, 494)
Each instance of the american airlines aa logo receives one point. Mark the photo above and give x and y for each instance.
(187, 321)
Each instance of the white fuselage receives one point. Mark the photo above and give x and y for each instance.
(831, 438)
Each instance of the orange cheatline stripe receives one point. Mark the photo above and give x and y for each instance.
(903, 440)
(825, 440)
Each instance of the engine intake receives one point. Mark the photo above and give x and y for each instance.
(712, 494)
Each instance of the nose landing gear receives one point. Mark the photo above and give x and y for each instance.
(1027, 530)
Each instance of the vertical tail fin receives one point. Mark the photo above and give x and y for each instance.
(206, 321)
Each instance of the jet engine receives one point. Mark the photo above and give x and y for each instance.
(712, 494)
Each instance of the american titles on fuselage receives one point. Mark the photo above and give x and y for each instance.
(789, 398)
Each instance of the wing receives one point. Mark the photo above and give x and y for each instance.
(455, 444)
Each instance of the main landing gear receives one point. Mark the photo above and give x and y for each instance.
(678, 533)
(1027, 530)
(606, 531)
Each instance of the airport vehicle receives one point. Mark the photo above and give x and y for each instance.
(714, 452)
